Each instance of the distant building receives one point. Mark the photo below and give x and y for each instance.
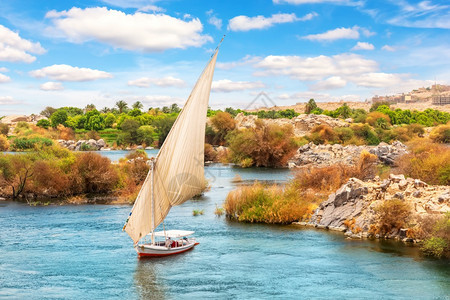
(441, 100)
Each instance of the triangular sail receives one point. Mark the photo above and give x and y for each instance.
(178, 173)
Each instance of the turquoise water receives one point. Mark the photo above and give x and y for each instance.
(80, 252)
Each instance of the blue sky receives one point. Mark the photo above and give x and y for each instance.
(60, 53)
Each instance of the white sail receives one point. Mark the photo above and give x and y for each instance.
(178, 173)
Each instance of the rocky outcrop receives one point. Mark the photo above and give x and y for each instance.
(353, 208)
(325, 155)
(301, 124)
(91, 144)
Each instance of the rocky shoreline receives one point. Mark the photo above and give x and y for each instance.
(352, 209)
(92, 145)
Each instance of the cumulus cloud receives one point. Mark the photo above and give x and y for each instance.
(388, 48)
(163, 82)
(363, 46)
(52, 86)
(335, 34)
(4, 78)
(69, 73)
(213, 19)
(7, 100)
(246, 60)
(315, 68)
(227, 86)
(244, 23)
(13, 48)
(333, 82)
(306, 95)
(157, 100)
(138, 31)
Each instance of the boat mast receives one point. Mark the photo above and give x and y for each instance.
(153, 202)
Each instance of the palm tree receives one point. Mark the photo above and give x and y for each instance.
(138, 105)
(89, 107)
(121, 105)
(105, 110)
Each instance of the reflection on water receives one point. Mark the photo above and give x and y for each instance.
(146, 281)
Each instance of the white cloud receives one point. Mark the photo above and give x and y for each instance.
(138, 31)
(248, 59)
(388, 48)
(152, 8)
(333, 82)
(321, 97)
(378, 79)
(163, 82)
(363, 46)
(4, 78)
(3, 69)
(13, 48)
(8, 100)
(423, 14)
(244, 23)
(227, 86)
(216, 22)
(157, 100)
(315, 68)
(52, 86)
(69, 73)
(335, 34)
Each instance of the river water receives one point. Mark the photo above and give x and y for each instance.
(80, 252)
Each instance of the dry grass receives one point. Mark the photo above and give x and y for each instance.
(427, 161)
(392, 214)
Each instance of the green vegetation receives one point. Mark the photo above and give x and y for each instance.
(298, 199)
(197, 212)
(57, 172)
(267, 145)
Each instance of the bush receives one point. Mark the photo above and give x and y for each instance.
(375, 105)
(30, 143)
(210, 153)
(223, 123)
(427, 161)
(323, 134)
(391, 214)
(59, 117)
(441, 134)
(4, 129)
(49, 179)
(4, 143)
(93, 173)
(435, 246)
(363, 131)
(145, 135)
(268, 145)
(378, 119)
(44, 123)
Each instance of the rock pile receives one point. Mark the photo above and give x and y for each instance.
(325, 155)
(357, 200)
(302, 124)
(91, 144)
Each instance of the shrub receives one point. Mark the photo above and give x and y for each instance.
(391, 214)
(65, 133)
(92, 134)
(210, 153)
(310, 106)
(219, 211)
(427, 161)
(378, 119)
(4, 129)
(44, 123)
(4, 143)
(93, 173)
(21, 127)
(441, 134)
(258, 203)
(435, 246)
(375, 105)
(223, 123)
(49, 179)
(323, 134)
(30, 143)
(197, 212)
(267, 145)
(366, 133)
(59, 117)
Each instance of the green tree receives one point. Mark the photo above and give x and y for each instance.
(135, 112)
(44, 123)
(59, 117)
(344, 111)
(94, 121)
(122, 106)
(48, 111)
(163, 125)
(145, 134)
(129, 133)
(110, 120)
(310, 106)
(89, 107)
(137, 105)
(174, 108)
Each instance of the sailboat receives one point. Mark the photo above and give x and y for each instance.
(175, 176)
